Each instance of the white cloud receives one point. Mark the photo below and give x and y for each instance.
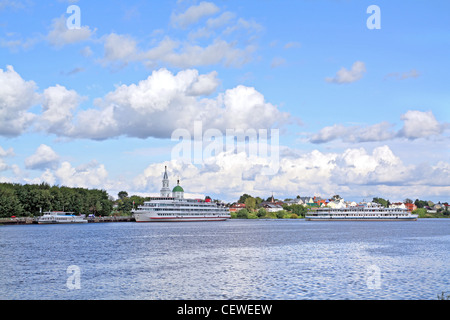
(418, 124)
(142, 110)
(377, 132)
(354, 173)
(121, 50)
(91, 175)
(16, 97)
(43, 158)
(222, 20)
(403, 75)
(6, 153)
(3, 154)
(357, 167)
(14, 42)
(277, 62)
(194, 13)
(220, 51)
(228, 40)
(60, 35)
(292, 44)
(86, 52)
(13, 4)
(58, 106)
(348, 76)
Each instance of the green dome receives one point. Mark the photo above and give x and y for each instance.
(178, 189)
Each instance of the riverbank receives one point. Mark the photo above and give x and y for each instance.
(30, 220)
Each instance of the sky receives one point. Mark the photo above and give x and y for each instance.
(353, 97)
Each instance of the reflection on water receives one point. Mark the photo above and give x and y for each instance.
(284, 259)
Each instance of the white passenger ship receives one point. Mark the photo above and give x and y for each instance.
(367, 213)
(60, 217)
(175, 208)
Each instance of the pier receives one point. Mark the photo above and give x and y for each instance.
(31, 220)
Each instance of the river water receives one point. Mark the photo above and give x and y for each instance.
(235, 259)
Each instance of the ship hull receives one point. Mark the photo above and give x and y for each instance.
(61, 221)
(312, 218)
(151, 218)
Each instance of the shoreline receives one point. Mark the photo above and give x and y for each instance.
(30, 220)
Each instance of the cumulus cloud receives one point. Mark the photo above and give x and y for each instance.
(349, 76)
(136, 110)
(16, 97)
(354, 172)
(194, 13)
(60, 35)
(120, 50)
(3, 154)
(358, 167)
(354, 134)
(44, 157)
(227, 40)
(93, 175)
(416, 124)
(58, 107)
(141, 110)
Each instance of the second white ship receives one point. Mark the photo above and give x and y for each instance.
(174, 208)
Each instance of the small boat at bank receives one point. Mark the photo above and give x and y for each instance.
(60, 217)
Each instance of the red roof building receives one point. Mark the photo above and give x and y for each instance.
(237, 206)
(410, 206)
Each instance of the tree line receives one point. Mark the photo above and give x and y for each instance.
(32, 200)
(254, 210)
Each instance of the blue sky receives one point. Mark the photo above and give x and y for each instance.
(361, 112)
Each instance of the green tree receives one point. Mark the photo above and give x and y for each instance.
(261, 213)
(250, 203)
(122, 195)
(32, 199)
(9, 203)
(243, 198)
(270, 215)
(383, 202)
(280, 214)
(422, 212)
(420, 203)
(242, 214)
(299, 210)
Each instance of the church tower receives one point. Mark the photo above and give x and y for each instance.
(165, 191)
